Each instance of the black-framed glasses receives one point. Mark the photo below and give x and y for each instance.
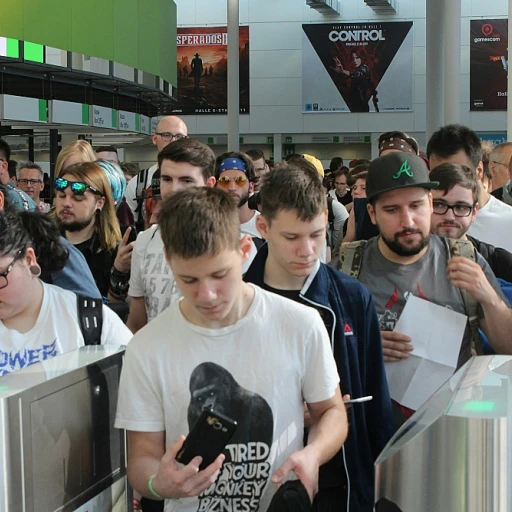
(24, 181)
(459, 210)
(77, 187)
(3, 276)
(168, 136)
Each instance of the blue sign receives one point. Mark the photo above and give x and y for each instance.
(495, 138)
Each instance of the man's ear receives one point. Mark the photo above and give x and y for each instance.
(371, 213)
(246, 247)
(262, 225)
(210, 182)
(153, 138)
(100, 203)
(2, 201)
(480, 171)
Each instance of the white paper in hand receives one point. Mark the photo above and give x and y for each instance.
(436, 333)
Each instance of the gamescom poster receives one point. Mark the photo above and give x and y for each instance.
(488, 65)
(357, 67)
(202, 70)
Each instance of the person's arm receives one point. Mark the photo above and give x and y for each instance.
(138, 317)
(76, 275)
(497, 315)
(120, 274)
(350, 236)
(340, 216)
(148, 458)
(328, 431)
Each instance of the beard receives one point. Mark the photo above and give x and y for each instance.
(241, 199)
(75, 225)
(406, 250)
(457, 231)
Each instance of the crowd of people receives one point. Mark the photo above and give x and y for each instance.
(267, 291)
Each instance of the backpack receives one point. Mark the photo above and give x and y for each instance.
(90, 319)
(142, 185)
(351, 257)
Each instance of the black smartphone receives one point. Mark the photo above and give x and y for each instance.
(208, 437)
(133, 235)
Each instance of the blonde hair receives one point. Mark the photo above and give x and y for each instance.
(81, 147)
(106, 223)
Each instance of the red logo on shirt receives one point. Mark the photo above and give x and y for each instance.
(348, 330)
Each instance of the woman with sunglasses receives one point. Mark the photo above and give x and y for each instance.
(37, 320)
(86, 214)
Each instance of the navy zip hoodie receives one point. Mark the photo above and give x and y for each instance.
(357, 349)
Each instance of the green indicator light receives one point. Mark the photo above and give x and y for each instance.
(476, 406)
(13, 48)
(33, 52)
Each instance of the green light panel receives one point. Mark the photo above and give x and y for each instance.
(33, 52)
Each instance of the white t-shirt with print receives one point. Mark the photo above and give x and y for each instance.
(249, 227)
(131, 189)
(492, 224)
(257, 371)
(55, 332)
(150, 276)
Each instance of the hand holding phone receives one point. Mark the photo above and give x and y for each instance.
(208, 437)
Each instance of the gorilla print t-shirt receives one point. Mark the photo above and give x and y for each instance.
(257, 372)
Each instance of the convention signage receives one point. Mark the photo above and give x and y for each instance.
(357, 67)
(202, 70)
(488, 65)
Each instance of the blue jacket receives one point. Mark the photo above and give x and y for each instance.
(357, 349)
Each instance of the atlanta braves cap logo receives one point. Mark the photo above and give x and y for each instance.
(404, 169)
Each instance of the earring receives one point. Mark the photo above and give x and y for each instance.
(35, 270)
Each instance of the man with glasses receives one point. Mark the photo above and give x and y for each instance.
(169, 129)
(406, 259)
(458, 144)
(235, 174)
(17, 198)
(30, 180)
(499, 167)
(455, 209)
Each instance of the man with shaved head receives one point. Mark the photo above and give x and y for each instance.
(169, 129)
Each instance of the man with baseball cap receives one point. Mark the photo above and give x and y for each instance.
(406, 259)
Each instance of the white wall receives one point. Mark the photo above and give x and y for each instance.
(276, 68)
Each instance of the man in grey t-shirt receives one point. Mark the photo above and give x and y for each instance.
(406, 259)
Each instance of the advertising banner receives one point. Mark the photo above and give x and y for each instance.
(357, 67)
(202, 70)
(488, 65)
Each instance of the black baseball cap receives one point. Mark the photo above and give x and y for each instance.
(397, 170)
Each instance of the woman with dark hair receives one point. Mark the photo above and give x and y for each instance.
(38, 320)
(360, 82)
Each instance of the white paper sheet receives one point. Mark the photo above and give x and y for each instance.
(436, 334)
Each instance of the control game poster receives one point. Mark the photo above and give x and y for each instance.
(488, 65)
(357, 67)
(202, 70)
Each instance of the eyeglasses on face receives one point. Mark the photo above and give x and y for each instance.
(239, 181)
(3, 276)
(24, 181)
(168, 136)
(77, 187)
(459, 210)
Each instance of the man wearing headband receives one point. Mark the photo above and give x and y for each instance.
(392, 142)
(184, 163)
(235, 174)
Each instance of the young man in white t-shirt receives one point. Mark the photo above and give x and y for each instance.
(247, 353)
(184, 163)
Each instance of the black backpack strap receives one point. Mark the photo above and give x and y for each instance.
(258, 242)
(90, 319)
